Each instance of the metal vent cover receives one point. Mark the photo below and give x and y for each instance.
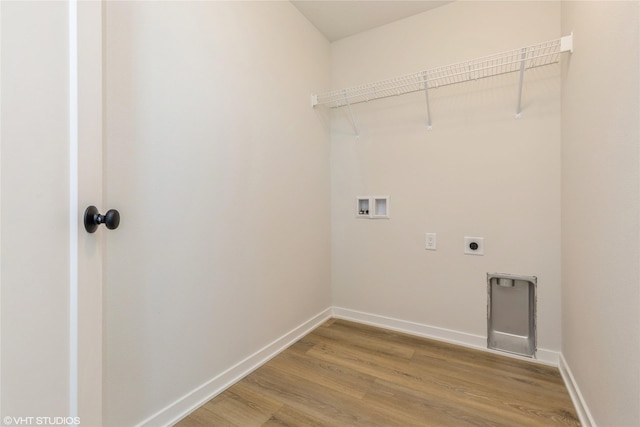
(511, 313)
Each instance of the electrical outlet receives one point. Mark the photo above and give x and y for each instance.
(430, 241)
(474, 245)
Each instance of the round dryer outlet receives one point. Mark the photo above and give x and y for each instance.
(474, 245)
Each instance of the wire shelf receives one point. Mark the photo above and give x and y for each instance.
(516, 60)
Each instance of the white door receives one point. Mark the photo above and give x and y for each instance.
(50, 170)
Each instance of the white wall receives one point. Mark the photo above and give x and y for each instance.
(601, 208)
(34, 217)
(219, 168)
(479, 172)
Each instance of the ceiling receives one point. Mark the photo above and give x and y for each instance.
(337, 19)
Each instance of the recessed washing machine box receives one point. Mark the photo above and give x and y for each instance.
(511, 313)
(380, 206)
(363, 205)
(372, 207)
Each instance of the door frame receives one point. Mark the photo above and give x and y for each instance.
(85, 189)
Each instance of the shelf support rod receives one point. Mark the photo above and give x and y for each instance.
(353, 119)
(522, 67)
(426, 97)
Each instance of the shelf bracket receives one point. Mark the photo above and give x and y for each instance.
(426, 97)
(353, 119)
(566, 43)
(522, 67)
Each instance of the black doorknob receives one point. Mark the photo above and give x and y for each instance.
(92, 219)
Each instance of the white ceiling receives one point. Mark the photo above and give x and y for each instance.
(341, 18)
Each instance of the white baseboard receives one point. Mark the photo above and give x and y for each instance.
(197, 397)
(479, 342)
(586, 420)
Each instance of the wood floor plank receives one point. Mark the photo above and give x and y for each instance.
(429, 408)
(334, 408)
(482, 368)
(348, 374)
(509, 385)
(439, 384)
(203, 417)
(288, 416)
(332, 376)
(363, 340)
(233, 408)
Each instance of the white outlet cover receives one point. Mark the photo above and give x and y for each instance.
(468, 243)
(431, 241)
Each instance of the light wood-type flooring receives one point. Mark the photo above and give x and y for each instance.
(349, 374)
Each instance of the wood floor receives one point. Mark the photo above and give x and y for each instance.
(348, 374)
